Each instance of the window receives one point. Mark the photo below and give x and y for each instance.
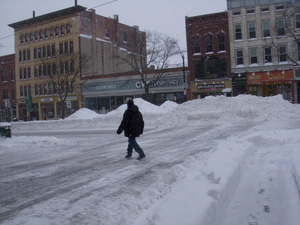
(266, 28)
(41, 35)
(56, 31)
(61, 48)
(239, 57)
(72, 67)
(24, 56)
(21, 39)
(268, 54)
(236, 13)
(250, 11)
(46, 34)
(45, 70)
(40, 89)
(29, 90)
(12, 75)
(61, 69)
(71, 47)
(29, 73)
(125, 37)
(221, 41)
(279, 7)
(282, 54)
(196, 42)
(28, 55)
(62, 30)
(253, 55)
(51, 32)
(66, 47)
(21, 91)
(45, 89)
(280, 27)
(53, 69)
(298, 51)
(297, 18)
(36, 90)
(4, 75)
(35, 53)
(53, 50)
(265, 9)
(31, 37)
(26, 38)
(68, 29)
(35, 72)
(48, 51)
(44, 52)
(238, 31)
(39, 53)
(21, 74)
(106, 32)
(13, 94)
(49, 88)
(20, 56)
(66, 68)
(36, 36)
(24, 73)
(40, 71)
(251, 30)
(49, 70)
(208, 43)
(25, 91)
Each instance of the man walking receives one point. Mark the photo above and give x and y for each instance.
(133, 126)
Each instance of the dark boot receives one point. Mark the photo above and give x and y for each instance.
(141, 156)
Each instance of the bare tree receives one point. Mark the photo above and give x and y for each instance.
(147, 52)
(63, 70)
(287, 31)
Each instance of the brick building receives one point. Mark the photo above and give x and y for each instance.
(208, 52)
(67, 44)
(7, 87)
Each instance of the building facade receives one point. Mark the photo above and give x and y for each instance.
(208, 52)
(54, 51)
(263, 51)
(8, 88)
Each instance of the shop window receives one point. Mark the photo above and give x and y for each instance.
(252, 30)
(282, 52)
(280, 27)
(268, 54)
(221, 41)
(208, 43)
(266, 28)
(253, 55)
(238, 31)
(196, 42)
(239, 57)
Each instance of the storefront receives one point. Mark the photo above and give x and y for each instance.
(106, 94)
(269, 83)
(201, 89)
(239, 83)
(47, 108)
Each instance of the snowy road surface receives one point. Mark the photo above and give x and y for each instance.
(208, 171)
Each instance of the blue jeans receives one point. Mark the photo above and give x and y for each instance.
(132, 144)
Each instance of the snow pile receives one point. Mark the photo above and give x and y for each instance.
(83, 113)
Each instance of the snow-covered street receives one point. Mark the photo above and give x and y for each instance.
(212, 161)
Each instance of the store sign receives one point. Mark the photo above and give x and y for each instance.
(271, 76)
(211, 86)
(46, 99)
(159, 83)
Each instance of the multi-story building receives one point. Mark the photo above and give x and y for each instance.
(54, 51)
(7, 87)
(208, 53)
(263, 51)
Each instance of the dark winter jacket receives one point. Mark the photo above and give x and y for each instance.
(132, 123)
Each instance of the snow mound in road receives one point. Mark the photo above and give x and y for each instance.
(83, 113)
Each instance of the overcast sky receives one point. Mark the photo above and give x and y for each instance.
(164, 16)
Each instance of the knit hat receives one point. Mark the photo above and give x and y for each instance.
(130, 103)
